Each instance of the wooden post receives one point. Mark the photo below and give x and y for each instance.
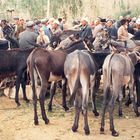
(48, 9)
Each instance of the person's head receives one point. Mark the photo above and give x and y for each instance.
(21, 21)
(103, 21)
(138, 23)
(121, 17)
(44, 21)
(38, 22)
(41, 32)
(97, 22)
(84, 21)
(3, 23)
(124, 21)
(16, 20)
(109, 23)
(51, 20)
(60, 20)
(30, 24)
(55, 24)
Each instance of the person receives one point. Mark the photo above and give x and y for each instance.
(111, 29)
(56, 28)
(20, 28)
(85, 31)
(99, 27)
(37, 26)
(124, 36)
(137, 33)
(7, 30)
(3, 41)
(27, 38)
(122, 31)
(42, 39)
(60, 23)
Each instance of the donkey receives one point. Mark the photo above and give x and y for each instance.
(118, 71)
(80, 71)
(49, 66)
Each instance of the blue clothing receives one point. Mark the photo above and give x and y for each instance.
(47, 31)
(112, 32)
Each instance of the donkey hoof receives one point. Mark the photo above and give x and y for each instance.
(128, 103)
(46, 121)
(138, 104)
(115, 133)
(101, 130)
(50, 109)
(66, 108)
(74, 128)
(36, 123)
(87, 132)
(120, 114)
(18, 104)
(95, 113)
(27, 101)
(137, 114)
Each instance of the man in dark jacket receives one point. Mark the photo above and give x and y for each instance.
(137, 33)
(85, 32)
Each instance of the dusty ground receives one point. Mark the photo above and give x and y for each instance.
(17, 123)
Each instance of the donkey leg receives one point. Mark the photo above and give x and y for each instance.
(23, 85)
(138, 91)
(85, 96)
(105, 104)
(132, 96)
(52, 93)
(35, 109)
(41, 100)
(77, 113)
(120, 104)
(128, 100)
(94, 109)
(18, 80)
(111, 109)
(64, 89)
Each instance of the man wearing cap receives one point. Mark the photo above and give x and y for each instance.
(27, 38)
(86, 31)
(56, 28)
(137, 33)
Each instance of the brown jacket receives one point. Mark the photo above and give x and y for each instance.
(122, 33)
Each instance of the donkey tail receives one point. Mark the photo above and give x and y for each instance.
(77, 80)
(31, 69)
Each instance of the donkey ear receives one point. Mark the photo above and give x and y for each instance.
(127, 51)
(137, 53)
(137, 56)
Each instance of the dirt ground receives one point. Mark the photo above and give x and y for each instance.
(17, 123)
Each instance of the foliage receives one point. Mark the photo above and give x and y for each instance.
(70, 8)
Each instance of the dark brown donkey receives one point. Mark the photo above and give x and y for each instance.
(49, 66)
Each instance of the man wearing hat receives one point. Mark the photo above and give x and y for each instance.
(99, 27)
(27, 38)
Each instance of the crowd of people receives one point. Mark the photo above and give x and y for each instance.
(29, 33)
